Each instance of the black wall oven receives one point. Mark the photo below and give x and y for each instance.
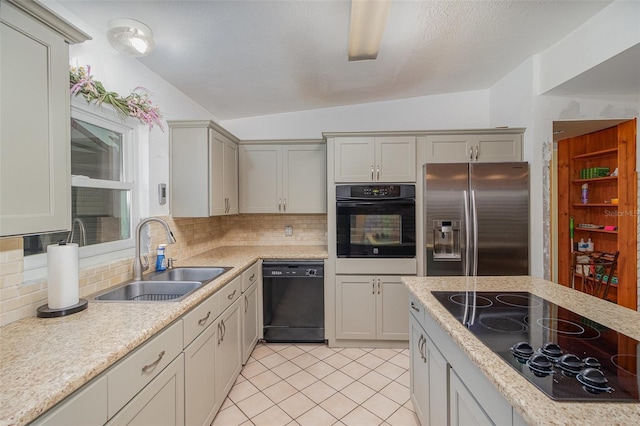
(376, 221)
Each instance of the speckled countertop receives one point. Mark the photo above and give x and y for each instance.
(42, 361)
(534, 406)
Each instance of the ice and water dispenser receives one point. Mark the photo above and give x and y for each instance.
(446, 240)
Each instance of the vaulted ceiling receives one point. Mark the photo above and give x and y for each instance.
(248, 58)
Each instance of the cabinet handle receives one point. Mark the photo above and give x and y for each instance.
(154, 363)
(471, 154)
(373, 286)
(219, 334)
(232, 295)
(284, 204)
(252, 277)
(378, 285)
(279, 204)
(424, 349)
(202, 321)
(378, 172)
(477, 152)
(246, 304)
(420, 346)
(372, 172)
(413, 306)
(224, 330)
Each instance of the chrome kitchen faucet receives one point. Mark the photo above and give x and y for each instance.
(138, 266)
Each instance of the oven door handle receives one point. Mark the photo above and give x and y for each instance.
(397, 202)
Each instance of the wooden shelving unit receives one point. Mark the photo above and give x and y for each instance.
(613, 148)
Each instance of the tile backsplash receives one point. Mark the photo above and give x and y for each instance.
(20, 299)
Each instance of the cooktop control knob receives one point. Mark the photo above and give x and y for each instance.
(570, 362)
(522, 350)
(551, 350)
(591, 362)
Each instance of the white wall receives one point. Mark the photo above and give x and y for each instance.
(448, 111)
(122, 74)
(615, 29)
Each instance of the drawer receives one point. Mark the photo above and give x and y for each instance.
(251, 275)
(200, 317)
(230, 292)
(416, 309)
(133, 373)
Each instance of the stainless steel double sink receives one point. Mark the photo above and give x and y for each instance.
(172, 285)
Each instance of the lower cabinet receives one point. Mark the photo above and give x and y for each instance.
(464, 409)
(199, 369)
(371, 308)
(228, 361)
(161, 402)
(446, 387)
(250, 326)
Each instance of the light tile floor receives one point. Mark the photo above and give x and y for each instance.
(307, 384)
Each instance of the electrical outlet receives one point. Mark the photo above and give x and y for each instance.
(288, 230)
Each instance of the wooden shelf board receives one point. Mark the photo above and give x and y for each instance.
(594, 180)
(596, 154)
(578, 205)
(602, 231)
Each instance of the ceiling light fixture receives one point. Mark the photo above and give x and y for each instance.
(368, 19)
(130, 37)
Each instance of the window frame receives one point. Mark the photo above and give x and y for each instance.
(35, 266)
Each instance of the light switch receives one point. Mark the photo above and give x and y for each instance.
(288, 230)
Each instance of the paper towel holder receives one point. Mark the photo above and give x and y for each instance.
(45, 311)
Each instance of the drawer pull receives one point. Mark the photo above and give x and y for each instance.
(202, 321)
(154, 363)
(413, 306)
(232, 295)
(252, 277)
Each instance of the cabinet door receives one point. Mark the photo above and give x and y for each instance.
(391, 307)
(189, 172)
(230, 178)
(260, 179)
(498, 148)
(304, 178)
(438, 375)
(88, 406)
(199, 380)
(448, 149)
(464, 409)
(419, 373)
(228, 358)
(356, 307)
(249, 321)
(35, 159)
(217, 200)
(395, 159)
(354, 159)
(161, 402)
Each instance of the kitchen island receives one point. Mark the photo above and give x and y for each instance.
(43, 361)
(516, 400)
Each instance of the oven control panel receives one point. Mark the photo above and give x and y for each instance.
(374, 191)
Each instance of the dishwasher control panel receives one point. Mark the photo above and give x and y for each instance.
(293, 269)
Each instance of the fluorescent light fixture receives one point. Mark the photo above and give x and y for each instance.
(130, 37)
(368, 19)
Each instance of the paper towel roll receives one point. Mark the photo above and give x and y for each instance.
(62, 263)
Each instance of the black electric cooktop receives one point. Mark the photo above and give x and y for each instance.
(567, 356)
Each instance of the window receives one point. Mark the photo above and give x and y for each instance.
(102, 191)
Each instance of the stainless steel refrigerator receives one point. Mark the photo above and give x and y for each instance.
(476, 219)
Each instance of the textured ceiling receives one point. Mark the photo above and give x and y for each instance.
(247, 58)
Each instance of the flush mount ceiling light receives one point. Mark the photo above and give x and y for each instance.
(368, 19)
(130, 37)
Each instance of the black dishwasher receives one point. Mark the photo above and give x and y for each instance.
(293, 301)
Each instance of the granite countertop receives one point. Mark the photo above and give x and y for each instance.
(42, 361)
(533, 405)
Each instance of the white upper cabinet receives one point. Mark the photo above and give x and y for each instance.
(35, 156)
(375, 159)
(283, 178)
(203, 163)
(468, 148)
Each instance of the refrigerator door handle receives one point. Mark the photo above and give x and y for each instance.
(466, 233)
(475, 233)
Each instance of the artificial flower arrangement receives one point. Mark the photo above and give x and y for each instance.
(137, 104)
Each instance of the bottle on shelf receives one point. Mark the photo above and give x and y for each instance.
(585, 194)
(589, 245)
(582, 245)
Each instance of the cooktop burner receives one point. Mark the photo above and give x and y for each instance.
(567, 356)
